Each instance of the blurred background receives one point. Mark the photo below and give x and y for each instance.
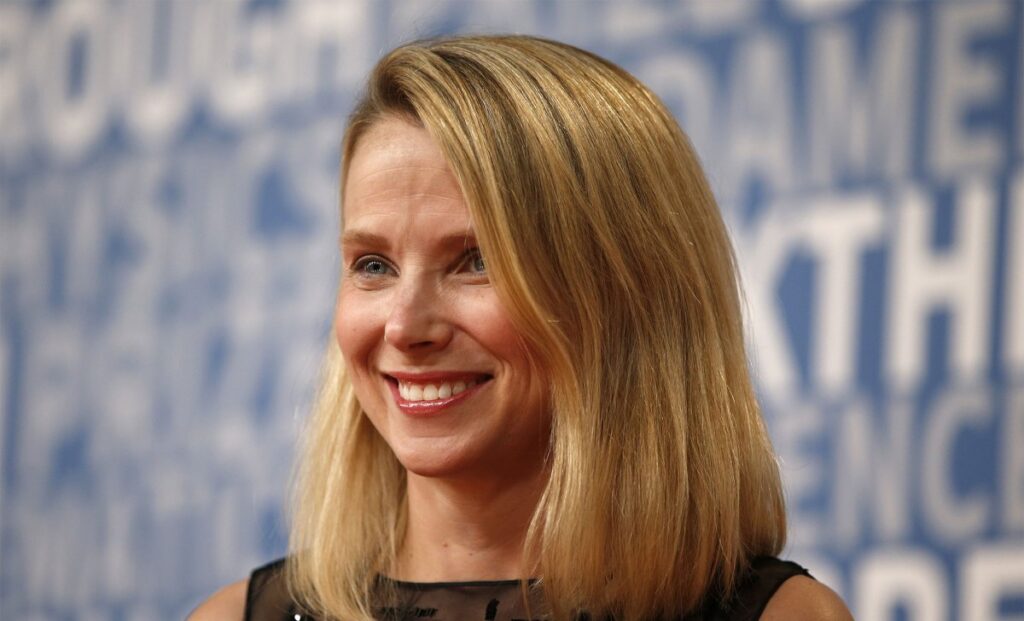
(168, 211)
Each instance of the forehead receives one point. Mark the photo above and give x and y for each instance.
(396, 164)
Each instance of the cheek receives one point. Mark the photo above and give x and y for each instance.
(529, 389)
(356, 331)
(493, 329)
(489, 324)
(508, 344)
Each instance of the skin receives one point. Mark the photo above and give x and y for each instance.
(412, 300)
(415, 298)
(798, 599)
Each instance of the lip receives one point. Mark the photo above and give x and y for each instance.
(437, 406)
(436, 376)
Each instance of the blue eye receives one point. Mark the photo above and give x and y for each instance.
(475, 261)
(371, 266)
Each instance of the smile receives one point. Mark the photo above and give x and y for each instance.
(422, 394)
(411, 391)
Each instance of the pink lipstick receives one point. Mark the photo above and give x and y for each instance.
(428, 394)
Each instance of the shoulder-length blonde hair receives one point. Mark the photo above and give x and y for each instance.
(605, 244)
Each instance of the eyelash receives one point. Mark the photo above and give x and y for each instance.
(469, 258)
(359, 267)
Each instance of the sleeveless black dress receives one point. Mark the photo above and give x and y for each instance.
(267, 598)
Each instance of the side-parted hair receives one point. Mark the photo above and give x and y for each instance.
(605, 244)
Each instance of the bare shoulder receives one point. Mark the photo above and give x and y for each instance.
(227, 604)
(804, 599)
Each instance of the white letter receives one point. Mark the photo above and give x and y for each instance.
(14, 31)
(72, 95)
(762, 256)
(837, 231)
(332, 37)
(25, 251)
(860, 119)
(798, 425)
(1013, 318)
(157, 92)
(1012, 437)
(52, 403)
(684, 83)
(989, 574)
(873, 456)
(760, 117)
(714, 17)
(491, 16)
(5, 353)
(818, 9)
(959, 279)
(405, 17)
(243, 48)
(960, 82)
(1020, 92)
(885, 580)
(952, 517)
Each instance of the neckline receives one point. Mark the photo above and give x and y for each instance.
(426, 586)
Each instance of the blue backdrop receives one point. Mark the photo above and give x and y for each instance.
(168, 181)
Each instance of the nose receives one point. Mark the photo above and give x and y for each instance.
(417, 322)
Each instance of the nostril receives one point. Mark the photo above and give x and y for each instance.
(420, 329)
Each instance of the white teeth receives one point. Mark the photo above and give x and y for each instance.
(432, 392)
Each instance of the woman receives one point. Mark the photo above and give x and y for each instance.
(537, 400)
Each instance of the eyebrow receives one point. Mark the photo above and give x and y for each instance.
(362, 238)
(358, 237)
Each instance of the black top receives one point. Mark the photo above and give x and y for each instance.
(501, 600)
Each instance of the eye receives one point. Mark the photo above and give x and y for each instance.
(474, 261)
(371, 266)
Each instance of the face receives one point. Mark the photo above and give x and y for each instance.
(434, 359)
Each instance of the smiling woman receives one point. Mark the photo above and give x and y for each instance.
(537, 402)
(436, 363)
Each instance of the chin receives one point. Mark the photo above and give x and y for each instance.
(434, 468)
(433, 461)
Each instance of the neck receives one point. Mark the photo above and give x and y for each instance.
(461, 530)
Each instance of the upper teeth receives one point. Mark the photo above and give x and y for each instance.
(431, 392)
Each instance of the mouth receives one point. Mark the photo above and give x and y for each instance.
(425, 394)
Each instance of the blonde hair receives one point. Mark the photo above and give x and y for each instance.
(605, 244)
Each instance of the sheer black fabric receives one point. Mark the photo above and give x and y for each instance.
(267, 598)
